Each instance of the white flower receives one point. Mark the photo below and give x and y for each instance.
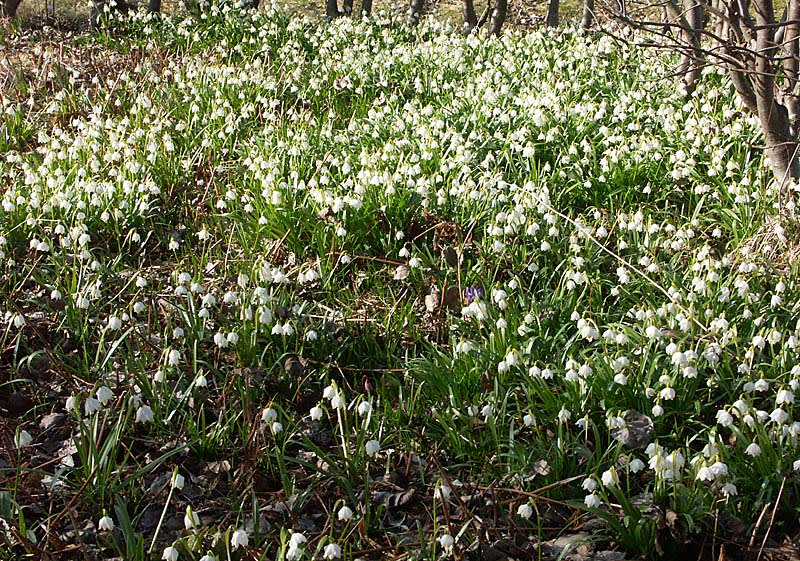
(446, 541)
(589, 484)
(704, 474)
(332, 551)
(796, 465)
(239, 539)
(177, 481)
(784, 396)
(276, 428)
(525, 511)
(729, 490)
(269, 415)
(564, 415)
(345, 514)
(592, 501)
(610, 478)
(174, 357)
(636, 465)
(144, 414)
(372, 447)
(779, 416)
(527, 420)
(114, 323)
(724, 418)
(104, 395)
(316, 413)
(208, 557)
(106, 524)
(23, 439)
(753, 450)
(170, 554)
(91, 406)
(190, 519)
(364, 407)
(297, 539)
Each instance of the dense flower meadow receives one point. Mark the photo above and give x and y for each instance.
(286, 289)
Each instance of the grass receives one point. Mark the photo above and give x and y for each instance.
(364, 290)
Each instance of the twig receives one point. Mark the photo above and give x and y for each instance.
(771, 520)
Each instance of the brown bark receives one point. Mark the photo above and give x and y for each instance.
(781, 144)
(553, 7)
(498, 16)
(415, 11)
(331, 9)
(588, 14)
(470, 18)
(8, 8)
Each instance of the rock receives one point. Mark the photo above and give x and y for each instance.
(51, 420)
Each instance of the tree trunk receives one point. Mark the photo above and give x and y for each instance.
(154, 6)
(781, 144)
(415, 11)
(695, 18)
(552, 13)
(331, 9)
(8, 8)
(366, 7)
(588, 14)
(470, 19)
(498, 16)
(791, 47)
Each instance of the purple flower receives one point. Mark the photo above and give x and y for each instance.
(473, 293)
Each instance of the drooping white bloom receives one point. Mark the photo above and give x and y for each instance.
(525, 511)
(316, 413)
(170, 554)
(22, 439)
(345, 514)
(636, 465)
(104, 394)
(269, 415)
(332, 551)
(144, 414)
(610, 478)
(239, 539)
(106, 524)
(91, 405)
(724, 418)
(191, 519)
(372, 447)
(753, 450)
(592, 501)
(177, 481)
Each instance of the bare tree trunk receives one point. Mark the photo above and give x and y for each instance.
(331, 9)
(415, 11)
(8, 8)
(552, 13)
(781, 144)
(498, 16)
(347, 7)
(470, 19)
(690, 21)
(588, 14)
(791, 48)
(154, 6)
